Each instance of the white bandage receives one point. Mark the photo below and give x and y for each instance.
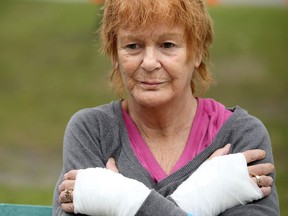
(217, 185)
(100, 191)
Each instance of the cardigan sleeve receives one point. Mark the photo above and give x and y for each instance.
(80, 150)
(249, 132)
(157, 205)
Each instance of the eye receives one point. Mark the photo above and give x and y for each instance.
(132, 46)
(167, 45)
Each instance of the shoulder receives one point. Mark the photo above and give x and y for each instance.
(97, 121)
(247, 129)
(107, 113)
(91, 129)
(236, 118)
(242, 119)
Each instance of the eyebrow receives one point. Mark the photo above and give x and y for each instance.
(169, 35)
(162, 36)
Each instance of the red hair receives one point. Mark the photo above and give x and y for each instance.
(138, 14)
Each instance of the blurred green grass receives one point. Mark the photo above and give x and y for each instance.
(50, 68)
(249, 58)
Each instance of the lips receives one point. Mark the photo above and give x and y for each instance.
(151, 85)
(151, 82)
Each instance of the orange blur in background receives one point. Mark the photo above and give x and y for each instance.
(210, 2)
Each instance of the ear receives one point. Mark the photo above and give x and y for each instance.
(197, 60)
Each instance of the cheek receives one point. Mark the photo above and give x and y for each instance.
(181, 69)
(127, 70)
(127, 65)
(184, 74)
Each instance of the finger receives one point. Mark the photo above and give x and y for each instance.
(63, 198)
(266, 191)
(71, 175)
(254, 155)
(68, 207)
(67, 184)
(265, 181)
(261, 169)
(222, 151)
(111, 165)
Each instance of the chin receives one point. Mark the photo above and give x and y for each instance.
(152, 99)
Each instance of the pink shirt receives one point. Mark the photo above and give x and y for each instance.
(209, 118)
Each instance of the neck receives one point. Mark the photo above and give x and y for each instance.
(164, 120)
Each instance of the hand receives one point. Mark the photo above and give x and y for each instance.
(66, 188)
(68, 185)
(262, 170)
(100, 191)
(111, 165)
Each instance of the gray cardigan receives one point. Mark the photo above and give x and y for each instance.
(94, 135)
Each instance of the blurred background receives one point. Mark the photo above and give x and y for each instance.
(50, 68)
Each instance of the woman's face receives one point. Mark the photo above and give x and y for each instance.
(153, 64)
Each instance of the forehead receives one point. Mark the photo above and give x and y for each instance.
(153, 30)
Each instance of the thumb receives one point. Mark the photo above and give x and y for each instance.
(111, 165)
(222, 151)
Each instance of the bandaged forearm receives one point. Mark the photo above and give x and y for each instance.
(100, 191)
(217, 185)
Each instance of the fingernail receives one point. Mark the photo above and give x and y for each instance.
(111, 160)
(228, 146)
(59, 188)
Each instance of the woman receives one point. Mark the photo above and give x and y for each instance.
(162, 133)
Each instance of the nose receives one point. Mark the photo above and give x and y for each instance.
(150, 60)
